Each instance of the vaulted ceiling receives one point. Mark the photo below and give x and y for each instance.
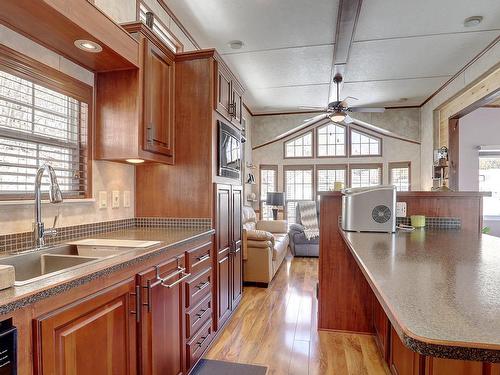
(402, 50)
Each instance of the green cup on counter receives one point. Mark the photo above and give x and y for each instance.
(417, 221)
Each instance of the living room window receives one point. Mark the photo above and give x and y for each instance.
(399, 175)
(300, 147)
(364, 175)
(331, 140)
(44, 118)
(327, 175)
(299, 186)
(363, 144)
(268, 183)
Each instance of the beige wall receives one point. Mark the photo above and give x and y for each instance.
(404, 122)
(106, 176)
(428, 130)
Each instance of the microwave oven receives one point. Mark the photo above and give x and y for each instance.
(230, 154)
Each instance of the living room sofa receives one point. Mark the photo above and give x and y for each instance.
(265, 245)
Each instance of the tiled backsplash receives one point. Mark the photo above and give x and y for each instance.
(25, 240)
(435, 222)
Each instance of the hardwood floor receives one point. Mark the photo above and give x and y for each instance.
(276, 327)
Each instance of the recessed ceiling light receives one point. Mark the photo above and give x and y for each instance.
(134, 161)
(235, 44)
(473, 21)
(88, 45)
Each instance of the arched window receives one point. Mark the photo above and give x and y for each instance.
(300, 147)
(331, 140)
(363, 144)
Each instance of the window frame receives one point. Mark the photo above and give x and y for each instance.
(298, 167)
(25, 67)
(322, 167)
(313, 155)
(266, 167)
(380, 154)
(400, 164)
(366, 166)
(346, 141)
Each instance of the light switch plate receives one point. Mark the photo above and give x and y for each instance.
(126, 198)
(103, 199)
(115, 199)
(400, 209)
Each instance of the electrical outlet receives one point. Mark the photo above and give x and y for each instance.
(115, 199)
(103, 199)
(400, 209)
(126, 198)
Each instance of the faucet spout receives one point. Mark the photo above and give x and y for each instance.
(55, 196)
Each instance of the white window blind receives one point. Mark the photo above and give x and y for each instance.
(298, 187)
(268, 183)
(39, 125)
(328, 177)
(331, 140)
(363, 176)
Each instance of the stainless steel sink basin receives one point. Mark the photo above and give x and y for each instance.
(35, 265)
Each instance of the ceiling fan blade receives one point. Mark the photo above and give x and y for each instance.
(350, 97)
(366, 109)
(312, 107)
(348, 120)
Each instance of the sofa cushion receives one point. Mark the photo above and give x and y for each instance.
(280, 245)
(248, 215)
(260, 244)
(259, 235)
(273, 226)
(299, 238)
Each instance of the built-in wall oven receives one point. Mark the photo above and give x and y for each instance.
(230, 153)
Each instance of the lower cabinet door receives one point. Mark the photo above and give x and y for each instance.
(96, 335)
(403, 361)
(441, 366)
(197, 345)
(162, 319)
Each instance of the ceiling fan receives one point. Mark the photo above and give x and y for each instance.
(338, 110)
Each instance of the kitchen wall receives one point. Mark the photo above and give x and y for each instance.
(479, 128)
(428, 130)
(18, 217)
(404, 122)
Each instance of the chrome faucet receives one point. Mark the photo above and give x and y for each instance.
(55, 196)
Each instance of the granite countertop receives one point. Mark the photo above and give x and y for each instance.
(440, 288)
(20, 296)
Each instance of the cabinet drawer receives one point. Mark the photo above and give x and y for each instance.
(196, 347)
(199, 259)
(198, 287)
(198, 316)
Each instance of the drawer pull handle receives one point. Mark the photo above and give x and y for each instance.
(184, 277)
(203, 258)
(162, 280)
(202, 285)
(201, 313)
(200, 343)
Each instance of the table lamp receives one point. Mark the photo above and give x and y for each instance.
(276, 200)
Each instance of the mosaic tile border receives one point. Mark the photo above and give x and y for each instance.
(23, 241)
(435, 222)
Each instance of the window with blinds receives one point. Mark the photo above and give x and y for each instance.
(366, 175)
(298, 187)
(399, 174)
(328, 175)
(268, 184)
(39, 125)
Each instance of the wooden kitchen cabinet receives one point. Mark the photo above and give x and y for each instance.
(95, 335)
(441, 366)
(229, 94)
(381, 326)
(162, 318)
(135, 109)
(229, 253)
(403, 361)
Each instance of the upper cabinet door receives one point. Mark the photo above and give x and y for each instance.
(158, 101)
(224, 94)
(237, 103)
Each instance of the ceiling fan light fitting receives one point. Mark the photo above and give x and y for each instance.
(338, 116)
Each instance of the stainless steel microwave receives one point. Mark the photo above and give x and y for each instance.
(230, 153)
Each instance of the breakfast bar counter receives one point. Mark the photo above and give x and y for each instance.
(439, 288)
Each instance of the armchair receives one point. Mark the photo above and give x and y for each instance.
(265, 244)
(299, 244)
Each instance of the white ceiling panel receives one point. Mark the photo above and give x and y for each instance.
(399, 18)
(287, 98)
(260, 24)
(427, 56)
(389, 93)
(284, 67)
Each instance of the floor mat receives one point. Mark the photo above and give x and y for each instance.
(211, 367)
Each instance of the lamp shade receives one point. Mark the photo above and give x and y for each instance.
(275, 199)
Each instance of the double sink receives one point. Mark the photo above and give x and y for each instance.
(35, 265)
